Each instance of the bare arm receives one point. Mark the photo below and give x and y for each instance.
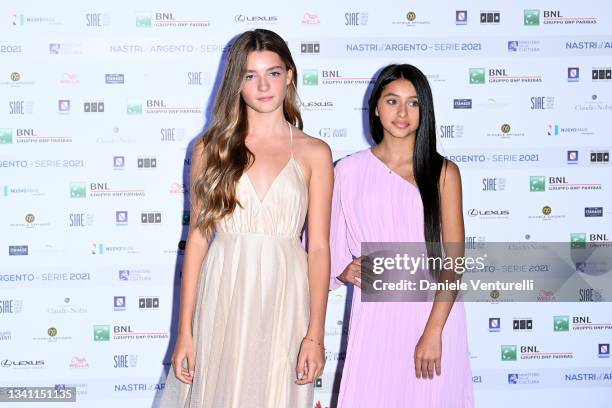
(453, 237)
(311, 358)
(319, 211)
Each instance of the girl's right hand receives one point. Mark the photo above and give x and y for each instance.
(183, 350)
(352, 272)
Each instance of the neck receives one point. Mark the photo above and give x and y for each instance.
(396, 150)
(266, 124)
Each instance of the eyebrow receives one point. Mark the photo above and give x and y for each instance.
(392, 94)
(269, 69)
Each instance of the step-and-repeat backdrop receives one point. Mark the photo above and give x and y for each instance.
(100, 103)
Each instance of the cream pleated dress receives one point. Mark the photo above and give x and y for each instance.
(252, 307)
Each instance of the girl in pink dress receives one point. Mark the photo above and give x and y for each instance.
(400, 354)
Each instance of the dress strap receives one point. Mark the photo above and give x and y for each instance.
(291, 138)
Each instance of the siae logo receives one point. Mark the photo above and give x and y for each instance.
(125, 360)
(355, 19)
(96, 20)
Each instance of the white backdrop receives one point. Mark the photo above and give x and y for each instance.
(100, 103)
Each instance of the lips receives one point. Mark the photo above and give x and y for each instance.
(265, 99)
(400, 125)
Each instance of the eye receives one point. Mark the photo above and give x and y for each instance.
(275, 73)
(249, 76)
(414, 104)
(391, 101)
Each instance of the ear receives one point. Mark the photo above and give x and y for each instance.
(376, 111)
(289, 76)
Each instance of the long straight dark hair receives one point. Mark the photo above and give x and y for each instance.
(427, 162)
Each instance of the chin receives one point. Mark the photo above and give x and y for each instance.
(402, 133)
(265, 107)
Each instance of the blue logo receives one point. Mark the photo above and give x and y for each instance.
(494, 324)
(119, 162)
(121, 217)
(512, 378)
(119, 303)
(461, 17)
(573, 74)
(604, 350)
(63, 106)
(572, 157)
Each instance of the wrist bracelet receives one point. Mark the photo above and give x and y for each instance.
(314, 341)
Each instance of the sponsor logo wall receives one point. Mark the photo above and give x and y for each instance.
(100, 104)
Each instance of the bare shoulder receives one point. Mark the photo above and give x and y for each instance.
(312, 149)
(450, 177)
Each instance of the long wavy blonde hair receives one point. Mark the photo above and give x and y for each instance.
(225, 153)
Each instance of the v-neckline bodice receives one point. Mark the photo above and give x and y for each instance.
(262, 199)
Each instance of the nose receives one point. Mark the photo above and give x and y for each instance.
(262, 84)
(401, 110)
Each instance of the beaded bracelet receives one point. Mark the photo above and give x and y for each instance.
(314, 341)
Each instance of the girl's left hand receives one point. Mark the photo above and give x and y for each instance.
(428, 354)
(311, 361)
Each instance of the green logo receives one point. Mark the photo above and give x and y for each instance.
(578, 240)
(6, 136)
(101, 333)
(537, 184)
(143, 21)
(531, 17)
(134, 108)
(561, 323)
(508, 353)
(77, 190)
(311, 77)
(477, 75)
